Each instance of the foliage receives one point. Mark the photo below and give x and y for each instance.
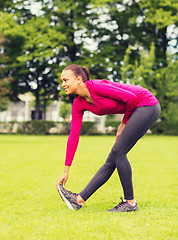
(4, 81)
(73, 20)
(65, 110)
(44, 42)
(160, 12)
(36, 127)
(4, 91)
(165, 128)
(113, 36)
(110, 117)
(113, 124)
(33, 67)
(172, 112)
(160, 81)
(126, 25)
(167, 88)
(40, 46)
(41, 127)
(169, 127)
(88, 128)
(20, 9)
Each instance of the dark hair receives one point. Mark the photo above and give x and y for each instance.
(79, 71)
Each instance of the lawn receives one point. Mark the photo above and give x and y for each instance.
(30, 207)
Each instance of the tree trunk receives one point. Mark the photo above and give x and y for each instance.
(161, 45)
(37, 104)
(44, 108)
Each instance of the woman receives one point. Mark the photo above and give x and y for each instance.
(141, 109)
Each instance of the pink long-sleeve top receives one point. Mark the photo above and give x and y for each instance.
(108, 98)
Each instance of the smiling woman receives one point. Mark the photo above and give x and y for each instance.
(73, 81)
(101, 97)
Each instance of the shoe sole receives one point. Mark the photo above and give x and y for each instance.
(122, 211)
(68, 204)
(133, 210)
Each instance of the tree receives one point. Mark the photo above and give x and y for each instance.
(72, 19)
(161, 14)
(65, 110)
(138, 30)
(134, 24)
(39, 47)
(45, 45)
(167, 89)
(119, 30)
(38, 54)
(4, 81)
(161, 81)
(32, 61)
(20, 9)
(31, 46)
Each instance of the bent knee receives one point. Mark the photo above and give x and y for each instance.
(116, 151)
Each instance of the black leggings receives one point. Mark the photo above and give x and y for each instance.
(138, 124)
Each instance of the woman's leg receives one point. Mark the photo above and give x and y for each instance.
(136, 127)
(140, 121)
(102, 175)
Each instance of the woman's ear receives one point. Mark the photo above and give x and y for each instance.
(79, 80)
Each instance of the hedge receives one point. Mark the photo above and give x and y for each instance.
(165, 128)
(41, 127)
(88, 128)
(111, 126)
(35, 127)
(157, 128)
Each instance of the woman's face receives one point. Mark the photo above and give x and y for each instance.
(69, 81)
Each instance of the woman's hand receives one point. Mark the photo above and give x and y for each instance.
(64, 177)
(119, 130)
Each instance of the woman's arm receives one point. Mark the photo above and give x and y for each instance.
(76, 124)
(73, 139)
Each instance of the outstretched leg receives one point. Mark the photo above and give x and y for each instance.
(136, 127)
(102, 175)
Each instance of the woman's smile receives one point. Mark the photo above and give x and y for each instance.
(69, 82)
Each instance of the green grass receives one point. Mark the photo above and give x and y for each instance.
(30, 207)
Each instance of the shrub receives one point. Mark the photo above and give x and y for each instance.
(35, 127)
(88, 128)
(165, 128)
(65, 128)
(113, 125)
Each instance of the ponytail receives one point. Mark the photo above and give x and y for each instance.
(86, 70)
(79, 71)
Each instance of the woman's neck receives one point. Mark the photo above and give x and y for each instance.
(83, 91)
